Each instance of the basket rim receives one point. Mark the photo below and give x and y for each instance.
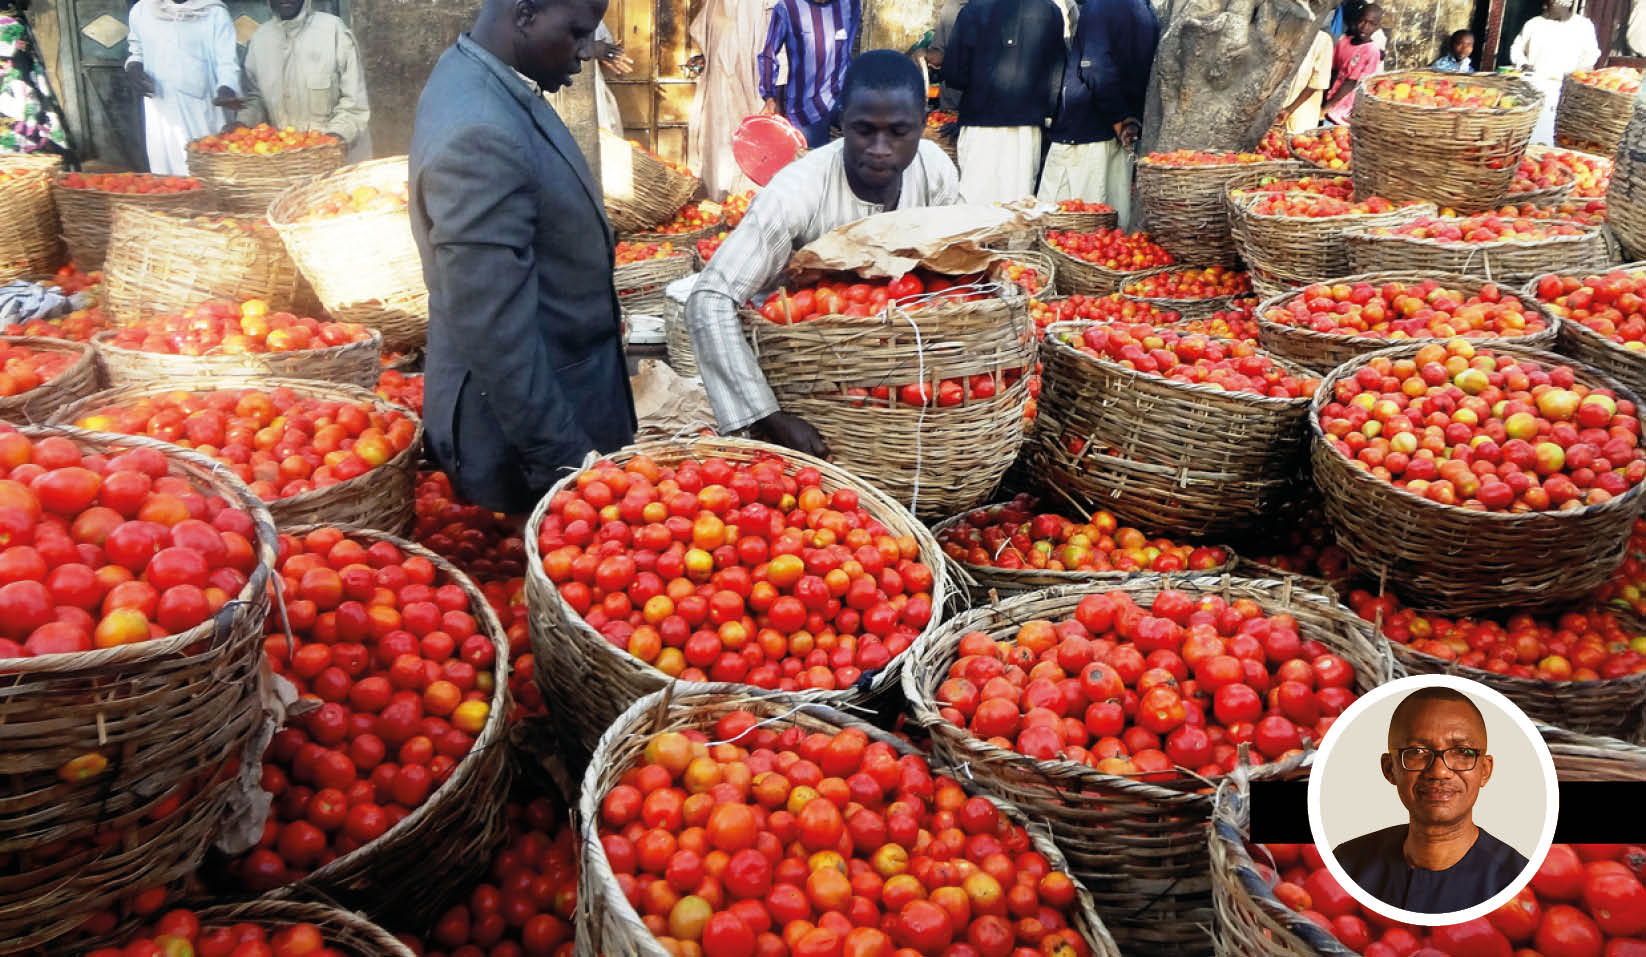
(1079, 263)
(1120, 462)
(1300, 158)
(1405, 652)
(199, 187)
(1243, 205)
(262, 909)
(192, 146)
(1082, 776)
(1579, 329)
(1190, 389)
(1220, 168)
(1626, 501)
(932, 305)
(1553, 322)
(258, 582)
(1589, 234)
(1180, 267)
(375, 338)
(1532, 103)
(1619, 98)
(303, 191)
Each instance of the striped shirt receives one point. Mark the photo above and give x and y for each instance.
(806, 199)
(818, 38)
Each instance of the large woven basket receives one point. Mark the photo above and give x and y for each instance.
(28, 218)
(1452, 560)
(590, 681)
(1079, 277)
(608, 924)
(1626, 191)
(1507, 261)
(1035, 258)
(640, 190)
(685, 242)
(1251, 920)
(418, 866)
(381, 498)
(1079, 222)
(1596, 351)
(364, 267)
(641, 285)
(1184, 209)
(1463, 158)
(1298, 157)
(1302, 249)
(162, 262)
(247, 182)
(1325, 351)
(677, 338)
(1187, 308)
(344, 930)
(355, 363)
(87, 216)
(1140, 846)
(173, 717)
(1591, 118)
(79, 380)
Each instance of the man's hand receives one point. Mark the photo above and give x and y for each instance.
(1127, 131)
(792, 432)
(140, 81)
(611, 54)
(769, 107)
(227, 99)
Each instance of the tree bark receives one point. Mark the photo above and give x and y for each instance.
(1223, 67)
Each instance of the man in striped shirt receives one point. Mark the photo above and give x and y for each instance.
(817, 36)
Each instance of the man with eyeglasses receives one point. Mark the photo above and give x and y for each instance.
(1439, 861)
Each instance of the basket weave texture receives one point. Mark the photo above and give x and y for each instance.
(1626, 191)
(77, 381)
(1591, 116)
(1506, 261)
(1185, 210)
(87, 216)
(608, 924)
(28, 217)
(162, 262)
(1596, 351)
(590, 682)
(641, 285)
(1455, 561)
(1079, 222)
(364, 267)
(345, 930)
(171, 716)
(1463, 158)
(640, 191)
(1079, 277)
(677, 338)
(1302, 249)
(354, 363)
(247, 182)
(1140, 846)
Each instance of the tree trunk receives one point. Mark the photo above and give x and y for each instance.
(1223, 68)
(577, 111)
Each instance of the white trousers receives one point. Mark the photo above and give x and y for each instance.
(1095, 172)
(997, 163)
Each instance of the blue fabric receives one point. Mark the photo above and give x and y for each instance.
(1451, 64)
(1377, 863)
(817, 134)
(1107, 75)
(1006, 60)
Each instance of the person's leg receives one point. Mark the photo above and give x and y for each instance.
(1118, 182)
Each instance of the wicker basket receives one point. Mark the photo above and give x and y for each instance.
(1596, 351)
(684, 242)
(87, 216)
(1452, 560)
(1251, 920)
(1303, 249)
(1461, 158)
(1325, 351)
(1508, 261)
(247, 183)
(1186, 308)
(346, 931)
(355, 363)
(380, 499)
(418, 866)
(167, 714)
(1079, 222)
(163, 262)
(1034, 257)
(77, 381)
(1299, 158)
(593, 682)
(640, 190)
(1184, 208)
(641, 285)
(1079, 277)
(677, 338)
(1140, 846)
(1546, 196)
(1626, 191)
(1592, 116)
(608, 924)
(364, 267)
(28, 217)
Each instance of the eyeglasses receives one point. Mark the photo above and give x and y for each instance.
(1420, 759)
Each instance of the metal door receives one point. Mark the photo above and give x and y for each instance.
(104, 115)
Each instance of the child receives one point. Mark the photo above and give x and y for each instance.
(1458, 50)
(1355, 58)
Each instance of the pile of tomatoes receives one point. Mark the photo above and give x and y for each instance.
(484, 543)
(23, 368)
(1209, 282)
(1013, 535)
(178, 933)
(262, 140)
(1111, 249)
(1227, 364)
(401, 389)
(225, 328)
(863, 298)
(629, 252)
(138, 183)
(1612, 305)
(1114, 308)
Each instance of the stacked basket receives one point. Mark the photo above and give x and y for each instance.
(641, 190)
(1186, 308)
(28, 217)
(1289, 250)
(355, 363)
(1600, 352)
(1076, 276)
(1185, 210)
(1510, 261)
(163, 262)
(88, 216)
(1626, 192)
(641, 285)
(1591, 118)
(245, 183)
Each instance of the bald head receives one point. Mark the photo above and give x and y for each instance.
(1410, 707)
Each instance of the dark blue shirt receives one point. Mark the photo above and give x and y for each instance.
(1006, 58)
(1377, 863)
(1107, 75)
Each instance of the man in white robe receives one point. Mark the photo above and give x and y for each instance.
(1549, 47)
(182, 60)
(729, 33)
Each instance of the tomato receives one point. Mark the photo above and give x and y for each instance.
(1567, 932)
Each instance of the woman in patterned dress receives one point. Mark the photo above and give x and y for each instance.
(30, 119)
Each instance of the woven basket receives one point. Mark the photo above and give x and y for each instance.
(987, 584)
(641, 286)
(1456, 561)
(606, 921)
(77, 381)
(1251, 920)
(355, 363)
(380, 499)
(1186, 308)
(677, 338)
(1590, 115)
(416, 868)
(684, 242)
(1140, 846)
(1626, 190)
(1079, 222)
(1311, 164)
(247, 183)
(1463, 158)
(87, 216)
(177, 711)
(28, 217)
(1077, 276)
(591, 682)
(1595, 350)
(163, 262)
(640, 191)
(1509, 261)
(344, 930)
(1184, 209)
(1035, 257)
(364, 267)
(1303, 249)
(1539, 197)
(1325, 351)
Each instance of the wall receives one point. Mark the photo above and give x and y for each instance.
(1417, 28)
(400, 41)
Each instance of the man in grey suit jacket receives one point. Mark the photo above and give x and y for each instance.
(525, 368)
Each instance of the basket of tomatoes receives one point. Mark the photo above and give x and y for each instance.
(41, 375)
(691, 222)
(1595, 107)
(85, 204)
(247, 167)
(1507, 249)
(644, 269)
(1292, 231)
(1080, 216)
(642, 189)
(1181, 197)
(29, 244)
(1602, 319)
(1192, 292)
(261, 927)
(1098, 263)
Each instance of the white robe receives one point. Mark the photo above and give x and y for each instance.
(729, 34)
(188, 60)
(1547, 50)
(605, 101)
(1094, 172)
(997, 163)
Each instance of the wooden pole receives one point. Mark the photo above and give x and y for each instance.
(577, 110)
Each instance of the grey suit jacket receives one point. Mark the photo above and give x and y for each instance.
(525, 371)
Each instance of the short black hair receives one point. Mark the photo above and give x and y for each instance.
(1457, 35)
(886, 70)
(1421, 697)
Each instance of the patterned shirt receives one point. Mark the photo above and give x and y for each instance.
(818, 37)
(806, 199)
